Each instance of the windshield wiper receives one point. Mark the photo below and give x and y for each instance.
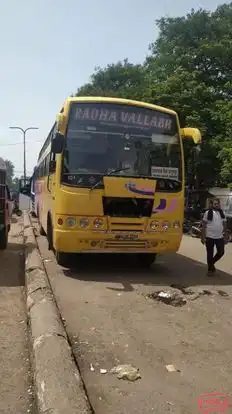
(107, 174)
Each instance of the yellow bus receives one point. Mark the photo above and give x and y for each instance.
(110, 179)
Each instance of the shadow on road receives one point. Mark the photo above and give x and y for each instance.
(12, 266)
(168, 269)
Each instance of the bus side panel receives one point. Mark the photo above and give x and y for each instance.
(38, 197)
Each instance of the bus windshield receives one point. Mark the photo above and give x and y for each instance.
(138, 141)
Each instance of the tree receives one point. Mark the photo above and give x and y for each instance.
(9, 172)
(18, 183)
(122, 79)
(224, 117)
(15, 184)
(189, 69)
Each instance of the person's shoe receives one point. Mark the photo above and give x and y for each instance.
(211, 271)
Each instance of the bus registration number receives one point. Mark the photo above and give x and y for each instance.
(127, 236)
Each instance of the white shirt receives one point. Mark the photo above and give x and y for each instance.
(214, 228)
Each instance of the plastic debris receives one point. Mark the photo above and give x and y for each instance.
(184, 289)
(200, 293)
(172, 368)
(92, 367)
(223, 293)
(170, 297)
(126, 372)
(164, 295)
(103, 371)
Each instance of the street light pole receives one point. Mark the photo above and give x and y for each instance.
(24, 131)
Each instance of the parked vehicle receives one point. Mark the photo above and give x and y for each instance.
(5, 207)
(106, 173)
(187, 226)
(196, 228)
(27, 195)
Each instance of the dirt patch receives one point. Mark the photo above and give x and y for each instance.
(173, 298)
(179, 295)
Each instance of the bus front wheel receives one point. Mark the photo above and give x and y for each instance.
(146, 259)
(3, 238)
(41, 230)
(62, 258)
(50, 234)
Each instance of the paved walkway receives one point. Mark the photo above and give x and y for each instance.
(16, 392)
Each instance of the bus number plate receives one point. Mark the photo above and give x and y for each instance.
(127, 236)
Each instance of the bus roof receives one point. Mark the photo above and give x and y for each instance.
(2, 164)
(122, 101)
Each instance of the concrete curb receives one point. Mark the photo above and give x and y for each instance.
(59, 388)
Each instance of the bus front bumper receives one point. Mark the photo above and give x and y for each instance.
(70, 241)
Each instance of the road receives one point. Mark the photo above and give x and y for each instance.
(15, 377)
(111, 320)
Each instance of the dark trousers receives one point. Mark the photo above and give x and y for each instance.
(220, 246)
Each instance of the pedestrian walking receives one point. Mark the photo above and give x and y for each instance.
(214, 233)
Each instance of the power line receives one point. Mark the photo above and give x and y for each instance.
(20, 171)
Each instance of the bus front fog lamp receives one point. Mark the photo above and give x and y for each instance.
(154, 225)
(176, 224)
(98, 223)
(165, 225)
(84, 222)
(71, 222)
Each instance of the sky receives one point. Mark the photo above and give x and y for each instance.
(49, 49)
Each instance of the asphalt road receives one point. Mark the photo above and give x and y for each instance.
(110, 320)
(16, 391)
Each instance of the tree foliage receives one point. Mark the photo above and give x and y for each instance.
(189, 69)
(9, 172)
(121, 79)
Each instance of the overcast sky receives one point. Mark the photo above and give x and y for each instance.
(49, 48)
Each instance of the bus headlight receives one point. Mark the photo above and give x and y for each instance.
(176, 224)
(165, 225)
(154, 225)
(70, 221)
(84, 222)
(98, 223)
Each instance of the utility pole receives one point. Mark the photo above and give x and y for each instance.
(24, 131)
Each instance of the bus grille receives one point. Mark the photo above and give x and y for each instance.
(127, 244)
(138, 227)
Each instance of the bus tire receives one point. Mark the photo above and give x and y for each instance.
(50, 234)
(3, 238)
(146, 260)
(41, 230)
(62, 258)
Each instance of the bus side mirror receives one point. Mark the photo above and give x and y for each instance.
(60, 122)
(57, 144)
(52, 166)
(191, 133)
